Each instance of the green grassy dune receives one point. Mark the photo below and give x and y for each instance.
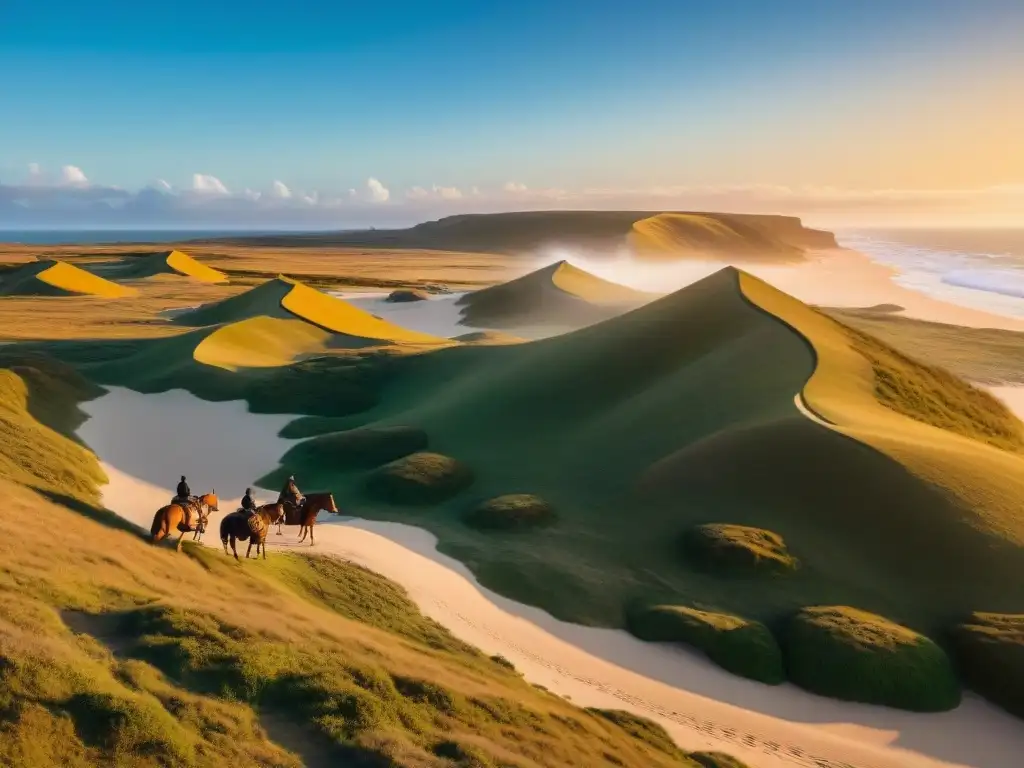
(676, 417)
(117, 653)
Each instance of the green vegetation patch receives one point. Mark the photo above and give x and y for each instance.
(850, 654)
(937, 397)
(742, 646)
(510, 512)
(356, 448)
(737, 549)
(421, 478)
(37, 455)
(989, 649)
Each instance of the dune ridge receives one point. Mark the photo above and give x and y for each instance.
(671, 235)
(58, 278)
(173, 262)
(558, 294)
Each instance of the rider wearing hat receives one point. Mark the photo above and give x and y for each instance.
(290, 493)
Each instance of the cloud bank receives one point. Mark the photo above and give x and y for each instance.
(69, 199)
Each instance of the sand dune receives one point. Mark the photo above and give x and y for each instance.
(556, 295)
(286, 299)
(167, 263)
(58, 278)
(220, 445)
(261, 342)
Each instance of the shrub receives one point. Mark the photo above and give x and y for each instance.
(421, 478)
(742, 646)
(737, 549)
(849, 654)
(510, 512)
(989, 648)
(406, 295)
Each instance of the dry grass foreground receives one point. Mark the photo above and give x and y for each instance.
(117, 653)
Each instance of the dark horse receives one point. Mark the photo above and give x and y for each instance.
(236, 526)
(305, 514)
(173, 516)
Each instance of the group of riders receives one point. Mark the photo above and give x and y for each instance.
(290, 494)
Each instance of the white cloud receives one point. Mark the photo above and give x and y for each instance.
(447, 193)
(281, 191)
(378, 192)
(514, 186)
(72, 175)
(252, 195)
(312, 198)
(202, 182)
(352, 193)
(474, 191)
(162, 185)
(35, 173)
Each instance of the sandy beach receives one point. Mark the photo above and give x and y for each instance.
(146, 441)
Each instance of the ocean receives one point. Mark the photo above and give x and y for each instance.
(977, 268)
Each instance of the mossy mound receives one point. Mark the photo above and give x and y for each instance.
(737, 549)
(421, 478)
(989, 648)
(716, 760)
(511, 512)
(488, 337)
(356, 448)
(742, 646)
(850, 654)
(406, 295)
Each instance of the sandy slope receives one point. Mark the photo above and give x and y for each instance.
(1012, 396)
(146, 441)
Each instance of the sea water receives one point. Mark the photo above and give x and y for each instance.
(978, 268)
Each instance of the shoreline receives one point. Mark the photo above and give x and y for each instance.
(702, 706)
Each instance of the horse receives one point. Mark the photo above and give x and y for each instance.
(174, 515)
(304, 516)
(236, 526)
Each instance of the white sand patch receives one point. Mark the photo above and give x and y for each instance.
(437, 316)
(147, 441)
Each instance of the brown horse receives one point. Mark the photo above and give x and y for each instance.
(236, 526)
(304, 516)
(173, 517)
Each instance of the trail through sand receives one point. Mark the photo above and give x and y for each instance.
(147, 441)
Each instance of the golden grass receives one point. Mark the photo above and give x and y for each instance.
(941, 429)
(184, 264)
(261, 342)
(341, 317)
(692, 234)
(592, 288)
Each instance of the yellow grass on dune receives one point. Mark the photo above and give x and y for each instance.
(260, 342)
(694, 234)
(592, 288)
(183, 264)
(58, 277)
(343, 318)
(941, 429)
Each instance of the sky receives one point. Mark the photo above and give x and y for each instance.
(338, 114)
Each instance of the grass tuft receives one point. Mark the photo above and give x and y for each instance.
(420, 478)
(850, 654)
(738, 549)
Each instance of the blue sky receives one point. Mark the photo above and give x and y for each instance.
(555, 97)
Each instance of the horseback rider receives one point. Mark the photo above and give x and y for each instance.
(183, 494)
(291, 494)
(248, 503)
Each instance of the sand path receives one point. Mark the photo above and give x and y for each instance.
(147, 441)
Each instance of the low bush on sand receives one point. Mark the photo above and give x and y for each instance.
(850, 654)
(356, 448)
(421, 478)
(510, 512)
(739, 645)
(716, 760)
(989, 648)
(737, 549)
